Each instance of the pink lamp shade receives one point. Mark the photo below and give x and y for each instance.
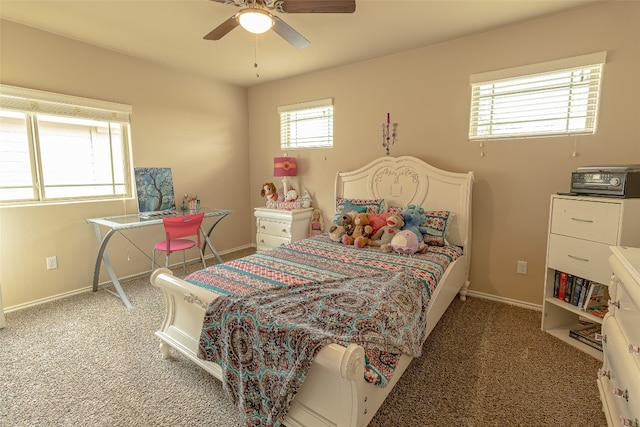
(285, 166)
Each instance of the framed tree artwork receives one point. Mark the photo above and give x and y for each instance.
(154, 188)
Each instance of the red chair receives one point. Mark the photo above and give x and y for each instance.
(175, 228)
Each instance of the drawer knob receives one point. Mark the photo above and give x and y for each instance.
(618, 392)
(604, 373)
(614, 303)
(261, 240)
(284, 230)
(634, 349)
(263, 227)
(628, 422)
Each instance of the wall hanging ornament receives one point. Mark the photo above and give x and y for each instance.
(389, 133)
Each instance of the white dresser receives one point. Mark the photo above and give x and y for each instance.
(619, 378)
(277, 227)
(581, 230)
(2, 321)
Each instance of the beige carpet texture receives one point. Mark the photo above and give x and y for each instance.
(87, 360)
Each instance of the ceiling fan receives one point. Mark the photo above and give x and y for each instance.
(256, 17)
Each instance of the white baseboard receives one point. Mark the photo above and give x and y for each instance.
(527, 305)
(90, 288)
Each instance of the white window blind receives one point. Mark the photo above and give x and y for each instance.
(307, 125)
(57, 147)
(555, 98)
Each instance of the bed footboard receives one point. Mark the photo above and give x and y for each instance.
(332, 394)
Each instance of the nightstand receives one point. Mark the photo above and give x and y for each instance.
(277, 227)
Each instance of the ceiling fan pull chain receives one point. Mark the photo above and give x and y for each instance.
(255, 56)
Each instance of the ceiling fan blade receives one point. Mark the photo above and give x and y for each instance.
(319, 6)
(222, 29)
(289, 34)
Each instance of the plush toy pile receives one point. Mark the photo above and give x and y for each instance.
(382, 237)
(402, 232)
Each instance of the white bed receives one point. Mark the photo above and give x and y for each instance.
(335, 392)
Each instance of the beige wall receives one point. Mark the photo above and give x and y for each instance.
(427, 92)
(199, 128)
(193, 125)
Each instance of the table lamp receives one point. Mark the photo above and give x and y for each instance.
(285, 167)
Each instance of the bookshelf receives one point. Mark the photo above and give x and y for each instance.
(581, 230)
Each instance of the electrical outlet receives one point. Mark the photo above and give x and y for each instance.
(52, 262)
(522, 267)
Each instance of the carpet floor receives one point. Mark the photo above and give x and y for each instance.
(87, 360)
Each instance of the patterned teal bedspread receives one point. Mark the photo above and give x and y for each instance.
(265, 342)
(319, 259)
(315, 261)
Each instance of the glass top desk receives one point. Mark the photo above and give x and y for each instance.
(126, 222)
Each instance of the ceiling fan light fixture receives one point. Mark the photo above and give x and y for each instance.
(255, 21)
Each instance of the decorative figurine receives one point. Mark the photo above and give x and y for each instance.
(306, 199)
(317, 223)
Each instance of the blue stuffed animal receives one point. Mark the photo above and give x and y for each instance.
(412, 219)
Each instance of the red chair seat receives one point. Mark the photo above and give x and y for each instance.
(176, 245)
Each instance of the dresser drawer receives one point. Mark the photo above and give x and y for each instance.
(627, 309)
(622, 369)
(595, 221)
(274, 228)
(579, 257)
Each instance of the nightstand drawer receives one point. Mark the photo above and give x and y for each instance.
(266, 241)
(579, 257)
(274, 228)
(595, 221)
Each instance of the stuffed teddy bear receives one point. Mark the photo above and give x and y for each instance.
(343, 226)
(361, 231)
(383, 236)
(405, 242)
(412, 215)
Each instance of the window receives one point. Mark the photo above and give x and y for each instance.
(57, 147)
(307, 125)
(556, 98)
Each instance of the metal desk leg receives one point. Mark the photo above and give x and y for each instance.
(208, 241)
(102, 256)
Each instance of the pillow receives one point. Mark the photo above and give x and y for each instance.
(359, 205)
(436, 223)
(394, 209)
(348, 207)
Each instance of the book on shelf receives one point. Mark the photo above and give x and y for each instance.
(596, 299)
(556, 283)
(562, 285)
(588, 334)
(577, 288)
(596, 296)
(598, 311)
(568, 295)
(583, 292)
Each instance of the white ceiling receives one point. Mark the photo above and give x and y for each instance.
(170, 32)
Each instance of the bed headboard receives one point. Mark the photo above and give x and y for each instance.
(408, 180)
